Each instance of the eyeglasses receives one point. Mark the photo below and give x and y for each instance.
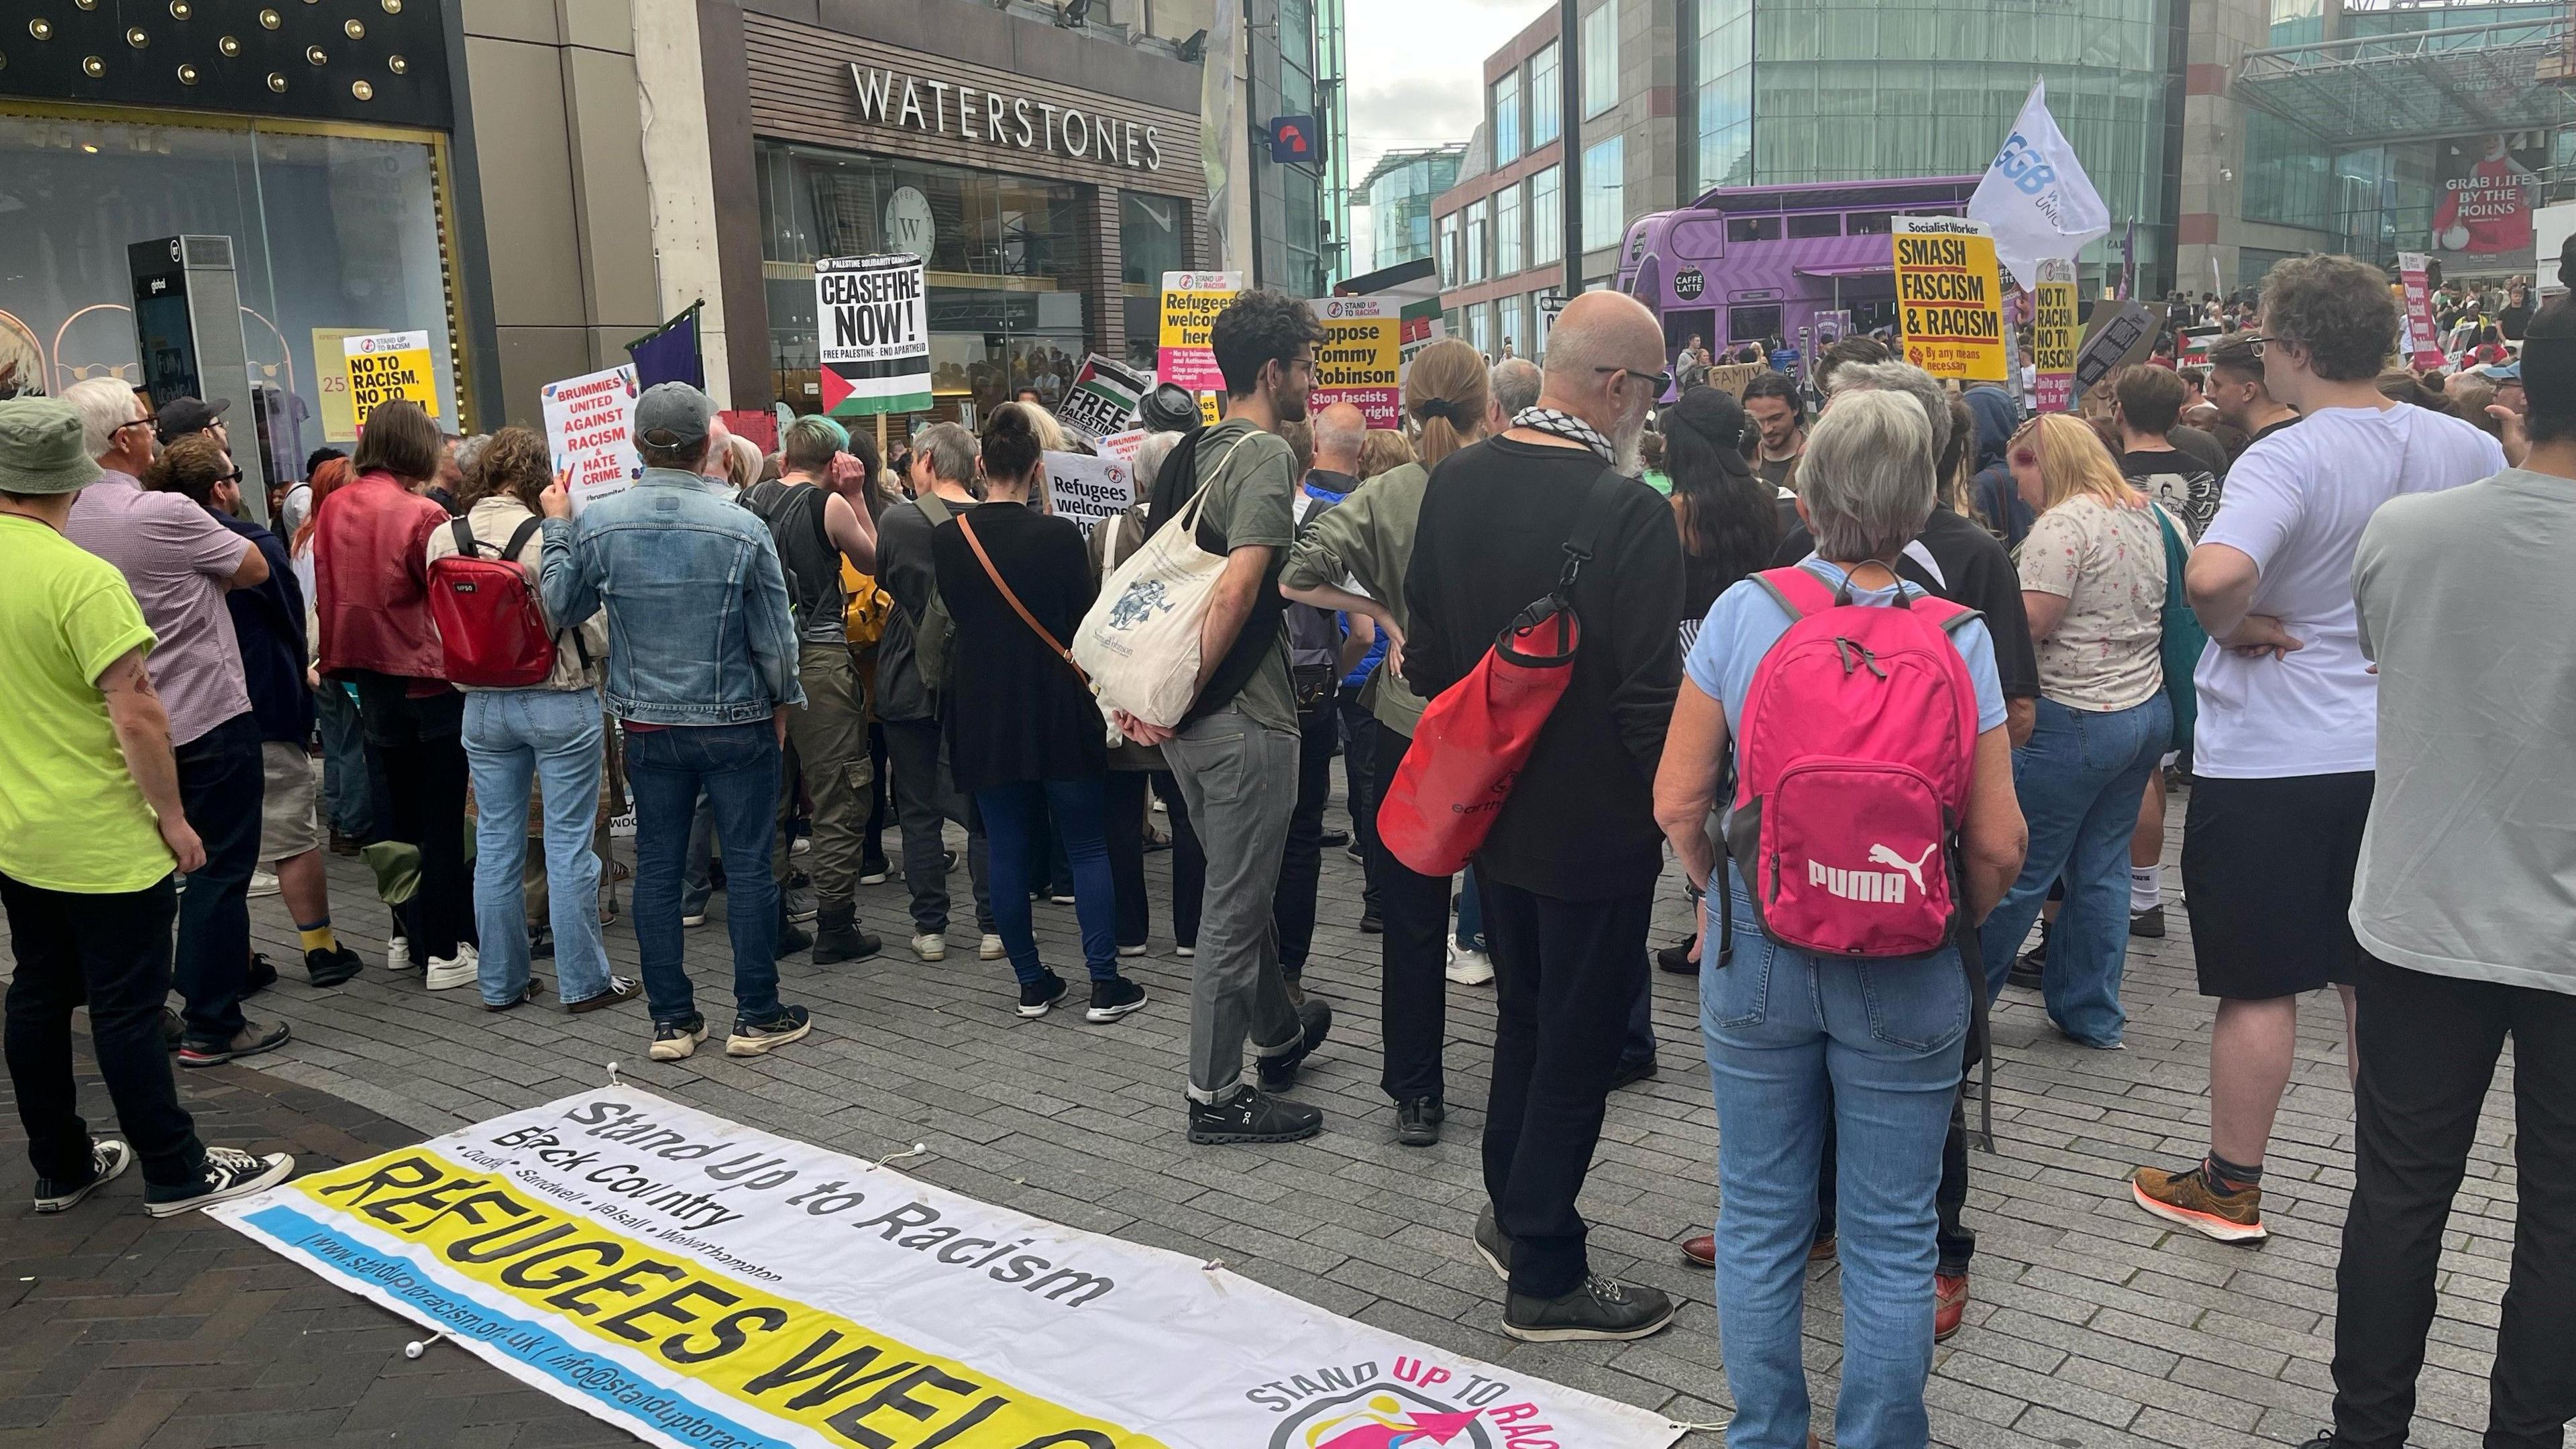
(130, 423)
(1660, 377)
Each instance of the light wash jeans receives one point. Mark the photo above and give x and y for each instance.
(552, 737)
(1792, 1041)
(2080, 780)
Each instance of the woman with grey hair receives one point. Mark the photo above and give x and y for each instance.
(1795, 1039)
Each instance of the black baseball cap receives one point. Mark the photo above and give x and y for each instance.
(181, 416)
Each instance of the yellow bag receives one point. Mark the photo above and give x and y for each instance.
(869, 606)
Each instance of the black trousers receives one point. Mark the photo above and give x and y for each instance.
(220, 781)
(1566, 976)
(923, 803)
(420, 745)
(1359, 786)
(113, 953)
(2428, 1047)
(1301, 864)
(1413, 992)
(1189, 861)
(1122, 822)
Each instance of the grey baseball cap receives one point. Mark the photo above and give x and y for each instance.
(673, 415)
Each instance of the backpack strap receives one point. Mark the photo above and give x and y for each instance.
(518, 538)
(933, 507)
(464, 535)
(966, 527)
(1796, 590)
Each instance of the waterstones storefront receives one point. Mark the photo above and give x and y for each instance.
(1046, 212)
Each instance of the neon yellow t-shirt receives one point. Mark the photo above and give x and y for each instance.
(71, 818)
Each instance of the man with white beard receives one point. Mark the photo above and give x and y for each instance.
(1568, 871)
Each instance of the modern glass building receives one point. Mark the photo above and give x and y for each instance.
(1793, 92)
(1398, 193)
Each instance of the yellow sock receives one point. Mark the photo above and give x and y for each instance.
(318, 937)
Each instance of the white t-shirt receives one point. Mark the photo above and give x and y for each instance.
(2296, 503)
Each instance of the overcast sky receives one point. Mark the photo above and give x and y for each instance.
(1415, 70)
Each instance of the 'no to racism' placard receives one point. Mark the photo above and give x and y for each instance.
(1949, 298)
(2053, 334)
(387, 367)
(872, 319)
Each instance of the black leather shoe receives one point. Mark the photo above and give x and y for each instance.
(1417, 1121)
(1603, 1308)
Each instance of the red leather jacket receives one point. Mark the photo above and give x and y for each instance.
(371, 579)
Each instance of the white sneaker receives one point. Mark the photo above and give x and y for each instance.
(804, 844)
(1469, 968)
(1131, 950)
(398, 954)
(1185, 952)
(693, 922)
(263, 882)
(992, 948)
(446, 973)
(930, 947)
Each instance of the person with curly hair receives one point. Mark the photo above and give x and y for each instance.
(546, 735)
(2284, 752)
(1234, 754)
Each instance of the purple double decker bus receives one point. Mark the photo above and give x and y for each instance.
(1751, 263)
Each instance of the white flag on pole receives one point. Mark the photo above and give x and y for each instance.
(2036, 195)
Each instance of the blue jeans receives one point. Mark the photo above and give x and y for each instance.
(1793, 1041)
(1015, 819)
(2080, 779)
(737, 765)
(348, 802)
(513, 738)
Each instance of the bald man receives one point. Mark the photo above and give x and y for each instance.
(1568, 872)
(1317, 643)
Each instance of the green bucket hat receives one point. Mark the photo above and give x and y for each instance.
(41, 450)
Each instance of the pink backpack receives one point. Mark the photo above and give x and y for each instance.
(1855, 750)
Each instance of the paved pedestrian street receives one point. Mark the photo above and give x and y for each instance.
(2093, 1326)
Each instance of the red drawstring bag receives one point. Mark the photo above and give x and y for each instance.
(1474, 738)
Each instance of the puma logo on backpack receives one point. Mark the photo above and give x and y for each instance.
(1858, 740)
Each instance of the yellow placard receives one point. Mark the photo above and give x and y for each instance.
(784, 1358)
(2053, 335)
(1208, 411)
(1949, 296)
(1191, 301)
(331, 380)
(388, 367)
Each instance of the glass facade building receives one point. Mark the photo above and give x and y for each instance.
(1800, 91)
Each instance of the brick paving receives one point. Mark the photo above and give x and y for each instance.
(2093, 1325)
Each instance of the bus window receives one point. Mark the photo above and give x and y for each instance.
(1752, 228)
(1828, 223)
(1868, 223)
(1753, 322)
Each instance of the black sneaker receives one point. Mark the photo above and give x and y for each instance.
(1417, 1121)
(791, 939)
(330, 968)
(262, 975)
(1372, 924)
(1250, 1116)
(1334, 839)
(2027, 968)
(1036, 996)
(1603, 1308)
(757, 1038)
(1676, 959)
(526, 994)
(1279, 1073)
(2325, 1440)
(252, 1039)
(1491, 1245)
(229, 1173)
(618, 992)
(1114, 998)
(675, 1040)
(108, 1159)
(2149, 923)
(1631, 1073)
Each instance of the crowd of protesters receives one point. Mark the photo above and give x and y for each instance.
(2292, 582)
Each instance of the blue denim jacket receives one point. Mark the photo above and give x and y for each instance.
(698, 626)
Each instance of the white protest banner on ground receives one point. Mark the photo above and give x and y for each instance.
(1360, 361)
(2036, 196)
(700, 1283)
(388, 367)
(1191, 301)
(871, 320)
(1088, 489)
(1123, 446)
(1103, 398)
(589, 430)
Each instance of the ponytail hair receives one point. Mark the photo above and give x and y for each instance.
(1446, 395)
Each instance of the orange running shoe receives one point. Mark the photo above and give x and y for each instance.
(2186, 1197)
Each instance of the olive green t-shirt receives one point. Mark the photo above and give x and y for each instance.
(71, 817)
(1251, 500)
